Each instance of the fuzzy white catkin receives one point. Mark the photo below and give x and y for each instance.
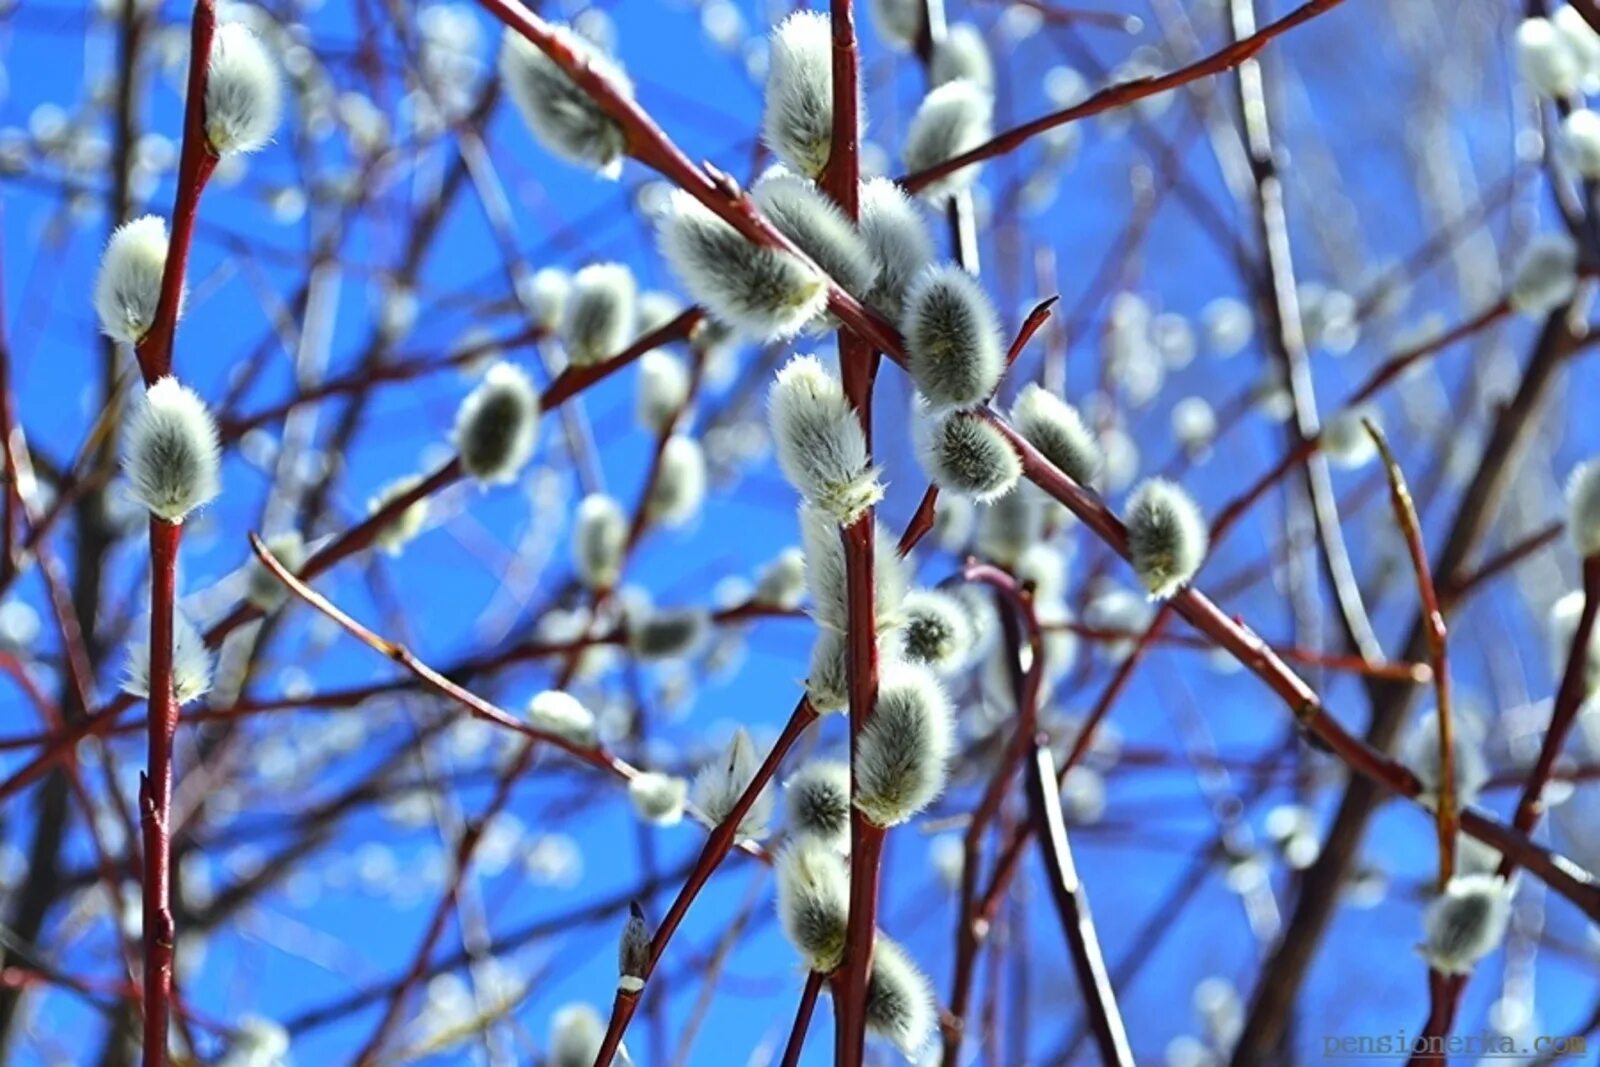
(817, 799)
(257, 1042)
(1546, 59)
(965, 454)
(602, 308)
(820, 445)
(952, 119)
(563, 117)
(1583, 507)
(576, 1034)
(813, 901)
(1420, 752)
(1167, 536)
(244, 97)
(633, 952)
(544, 296)
(809, 218)
(797, 122)
(898, 22)
(127, 288)
(898, 241)
(826, 577)
(782, 583)
(935, 631)
(562, 715)
(719, 785)
(1546, 277)
(953, 347)
(827, 678)
(900, 1001)
(1582, 42)
(497, 425)
(658, 798)
(1466, 922)
(1580, 138)
(600, 533)
(1228, 326)
(171, 454)
(1055, 428)
(903, 751)
(962, 54)
(1007, 527)
(394, 535)
(765, 293)
(1345, 440)
(668, 635)
(265, 590)
(680, 486)
(663, 389)
(191, 662)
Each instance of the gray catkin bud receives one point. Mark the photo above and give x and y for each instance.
(544, 296)
(576, 1035)
(828, 679)
(127, 288)
(763, 292)
(1167, 537)
(393, 537)
(809, 218)
(953, 348)
(962, 54)
(243, 93)
(935, 631)
(562, 715)
(562, 116)
(952, 119)
(191, 662)
(1583, 508)
(797, 122)
(1466, 922)
(658, 798)
(899, 998)
(1010, 525)
(497, 425)
(898, 241)
(964, 453)
(903, 750)
(1055, 428)
(818, 803)
(783, 581)
(633, 951)
(171, 454)
(898, 22)
(720, 784)
(265, 590)
(600, 313)
(813, 902)
(668, 635)
(1547, 275)
(600, 535)
(825, 572)
(820, 445)
(680, 485)
(663, 390)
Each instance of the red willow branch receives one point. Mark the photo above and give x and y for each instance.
(1121, 95)
(1072, 908)
(802, 1019)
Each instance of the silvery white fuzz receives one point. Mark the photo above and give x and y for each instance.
(497, 425)
(797, 122)
(965, 454)
(818, 803)
(600, 533)
(720, 784)
(663, 390)
(243, 93)
(562, 715)
(899, 998)
(394, 535)
(898, 22)
(265, 590)
(898, 241)
(601, 310)
(953, 348)
(1466, 922)
(1345, 440)
(826, 577)
(903, 750)
(658, 798)
(828, 677)
(191, 662)
(1007, 527)
(813, 901)
(171, 455)
(763, 292)
(935, 631)
(820, 445)
(782, 583)
(127, 288)
(1546, 58)
(1582, 42)
(680, 486)
(1583, 506)
(962, 54)
(809, 218)
(1580, 138)
(576, 1034)
(1167, 536)
(257, 1042)
(543, 295)
(563, 117)
(1547, 275)
(1055, 428)
(952, 119)
(633, 951)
